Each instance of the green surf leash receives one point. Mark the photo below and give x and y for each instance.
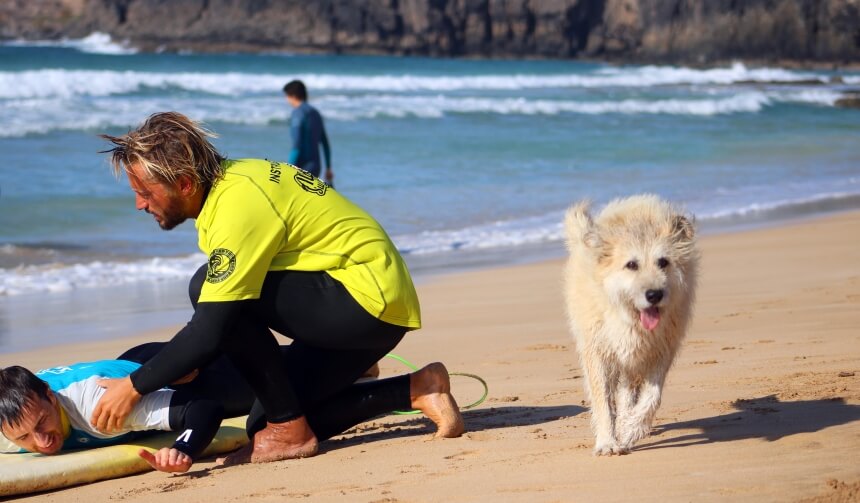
(478, 378)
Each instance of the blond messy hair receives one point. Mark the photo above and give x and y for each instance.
(167, 146)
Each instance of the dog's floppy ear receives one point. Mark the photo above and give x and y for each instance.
(683, 229)
(580, 227)
(592, 239)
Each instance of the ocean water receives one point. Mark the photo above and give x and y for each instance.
(466, 163)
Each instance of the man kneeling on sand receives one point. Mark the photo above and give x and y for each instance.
(286, 253)
(49, 411)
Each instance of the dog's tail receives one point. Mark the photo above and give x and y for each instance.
(579, 227)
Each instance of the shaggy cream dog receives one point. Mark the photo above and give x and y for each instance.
(629, 287)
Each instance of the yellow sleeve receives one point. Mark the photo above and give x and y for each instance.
(244, 234)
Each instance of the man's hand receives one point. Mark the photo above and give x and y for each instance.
(115, 405)
(167, 460)
(329, 177)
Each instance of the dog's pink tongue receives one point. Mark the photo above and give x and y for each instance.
(650, 318)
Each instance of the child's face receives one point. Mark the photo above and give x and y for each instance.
(40, 428)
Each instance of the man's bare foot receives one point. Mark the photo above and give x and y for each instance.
(430, 392)
(373, 371)
(277, 441)
(370, 374)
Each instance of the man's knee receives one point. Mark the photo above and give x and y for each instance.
(195, 286)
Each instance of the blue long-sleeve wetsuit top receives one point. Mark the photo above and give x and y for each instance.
(77, 390)
(307, 132)
(78, 393)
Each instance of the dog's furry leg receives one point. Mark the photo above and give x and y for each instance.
(636, 425)
(600, 384)
(626, 395)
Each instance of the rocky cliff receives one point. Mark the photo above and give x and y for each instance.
(676, 31)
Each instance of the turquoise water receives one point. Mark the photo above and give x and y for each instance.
(464, 162)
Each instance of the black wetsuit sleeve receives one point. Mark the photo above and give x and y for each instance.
(197, 344)
(197, 421)
(142, 353)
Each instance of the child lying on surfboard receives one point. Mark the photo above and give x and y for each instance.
(49, 411)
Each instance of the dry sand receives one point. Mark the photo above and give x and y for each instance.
(763, 403)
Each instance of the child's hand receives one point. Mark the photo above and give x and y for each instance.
(167, 460)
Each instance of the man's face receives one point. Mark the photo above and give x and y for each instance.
(293, 101)
(164, 202)
(40, 428)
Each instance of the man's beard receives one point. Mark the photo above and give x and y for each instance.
(170, 222)
(171, 217)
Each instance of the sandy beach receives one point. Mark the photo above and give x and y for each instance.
(763, 403)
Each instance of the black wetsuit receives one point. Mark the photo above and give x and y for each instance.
(323, 379)
(334, 342)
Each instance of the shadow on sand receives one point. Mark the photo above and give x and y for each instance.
(476, 420)
(766, 418)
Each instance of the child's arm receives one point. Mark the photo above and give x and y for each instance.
(198, 421)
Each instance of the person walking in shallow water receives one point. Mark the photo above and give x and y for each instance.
(285, 252)
(307, 132)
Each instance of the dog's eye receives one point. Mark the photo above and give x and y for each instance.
(662, 263)
(632, 265)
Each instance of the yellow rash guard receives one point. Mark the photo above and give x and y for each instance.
(266, 216)
(67, 425)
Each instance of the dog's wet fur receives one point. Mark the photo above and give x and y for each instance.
(630, 286)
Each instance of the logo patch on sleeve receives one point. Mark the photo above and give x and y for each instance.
(222, 262)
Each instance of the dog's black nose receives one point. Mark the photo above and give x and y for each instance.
(654, 296)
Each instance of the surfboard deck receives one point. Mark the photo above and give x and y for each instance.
(28, 472)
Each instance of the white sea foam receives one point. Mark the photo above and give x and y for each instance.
(537, 229)
(438, 106)
(57, 277)
(95, 43)
(35, 116)
(533, 230)
(65, 83)
(62, 83)
(65, 277)
(782, 205)
(42, 115)
(646, 76)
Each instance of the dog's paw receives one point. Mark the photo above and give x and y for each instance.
(625, 447)
(609, 449)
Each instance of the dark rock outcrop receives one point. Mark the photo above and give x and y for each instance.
(670, 31)
(40, 19)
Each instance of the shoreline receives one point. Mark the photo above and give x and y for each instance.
(59, 314)
(763, 402)
(541, 255)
